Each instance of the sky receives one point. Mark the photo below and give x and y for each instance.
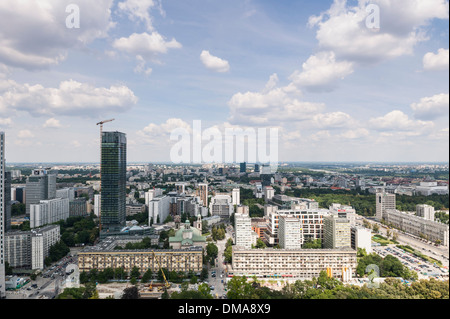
(338, 80)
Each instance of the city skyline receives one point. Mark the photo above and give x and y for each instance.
(356, 94)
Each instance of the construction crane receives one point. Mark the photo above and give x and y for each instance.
(101, 133)
(162, 271)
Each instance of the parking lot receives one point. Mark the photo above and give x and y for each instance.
(424, 269)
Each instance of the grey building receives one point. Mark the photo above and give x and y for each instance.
(41, 185)
(2, 216)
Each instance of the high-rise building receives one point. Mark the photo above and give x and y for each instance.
(384, 201)
(235, 196)
(269, 193)
(97, 204)
(113, 181)
(48, 212)
(2, 216)
(243, 167)
(7, 202)
(203, 193)
(243, 228)
(41, 185)
(425, 211)
(361, 238)
(256, 168)
(290, 233)
(336, 231)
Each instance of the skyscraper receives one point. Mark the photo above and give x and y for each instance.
(113, 181)
(243, 167)
(203, 193)
(7, 202)
(2, 216)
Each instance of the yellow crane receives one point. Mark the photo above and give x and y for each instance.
(101, 133)
(162, 271)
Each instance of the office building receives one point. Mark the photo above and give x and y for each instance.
(384, 201)
(41, 185)
(290, 233)
(311, 220)
(256, 168)
(344, 211)
(425, 211)
(336, 232)
(113, 181)
(221, 205)
(243, 167)
(2, 216)
(159, 209)
(78, 207)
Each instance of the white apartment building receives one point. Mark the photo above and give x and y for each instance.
(269, 193)
(293, 263)
(290, 233)
(425, 211)
(48, 212)
(311, 220)
(418, 226)
(236, 196)
(384, 201)
(97, 204)
(29, 249)
(159, 209)
(361, 237)
(152, 193)
(243, 230)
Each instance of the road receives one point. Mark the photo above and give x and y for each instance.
(219, 279)
(441, 253)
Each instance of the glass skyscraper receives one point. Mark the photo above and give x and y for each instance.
(113, 182)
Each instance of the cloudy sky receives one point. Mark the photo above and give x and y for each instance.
(340, 80)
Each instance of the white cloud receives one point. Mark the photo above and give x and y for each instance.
(436, 62)
(37, 35)
(214, 63)
(140, 10)
(355, 134)
(398, 121)
(343, 28)
(5, 122)
(321, 71)
(271, 106)
(432, 107)
(333, 120)
(25, 134)
(145, 45)
(160, 134)
(52, 123)
(70, 98)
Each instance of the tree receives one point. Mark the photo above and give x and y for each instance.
(260, 244)
(147, 276)
(131, 293)
(239, 288)
(376, 228)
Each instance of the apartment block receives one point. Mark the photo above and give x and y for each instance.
(290, 233)
(296, 263)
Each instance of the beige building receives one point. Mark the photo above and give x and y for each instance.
(336, 232)
(171, 259)
(384, 201)
(292, 263)
(418, 226)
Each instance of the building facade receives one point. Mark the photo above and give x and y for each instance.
(292, 263)
(290, 233)
(336, 232)
(113, 181)
(2, 216)
(384, 201)
(49, 212)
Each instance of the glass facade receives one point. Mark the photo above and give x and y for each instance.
(113, 181)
